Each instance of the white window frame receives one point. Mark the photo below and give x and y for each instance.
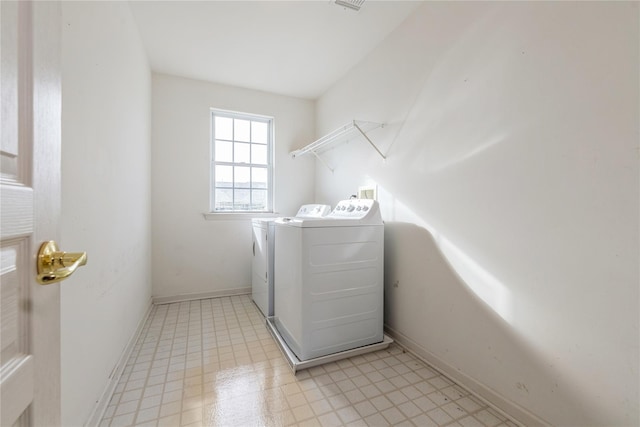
(212, 189)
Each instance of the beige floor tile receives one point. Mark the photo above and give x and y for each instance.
(213, 363)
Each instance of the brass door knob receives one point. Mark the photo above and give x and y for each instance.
(55, 265)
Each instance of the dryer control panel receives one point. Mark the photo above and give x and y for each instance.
(356, 209)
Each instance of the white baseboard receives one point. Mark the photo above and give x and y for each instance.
(495, 400)
(114, 378)
(201, 295)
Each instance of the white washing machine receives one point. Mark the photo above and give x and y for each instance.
(329, 280)
(263, 255)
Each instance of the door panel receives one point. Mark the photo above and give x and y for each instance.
(16, 365)
(30, 194)
(17, 224)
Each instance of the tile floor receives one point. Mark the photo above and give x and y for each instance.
(213, 363)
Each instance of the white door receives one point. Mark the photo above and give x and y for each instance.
(30, 209)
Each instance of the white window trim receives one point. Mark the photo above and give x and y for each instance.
(212, 214)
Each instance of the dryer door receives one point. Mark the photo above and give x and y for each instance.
(259, 280)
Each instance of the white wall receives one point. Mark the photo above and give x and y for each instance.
(191, 255)
(510, 195)
(106, 196)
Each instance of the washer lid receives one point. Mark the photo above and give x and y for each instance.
(347, 213)
(306, 211)
(313, 211)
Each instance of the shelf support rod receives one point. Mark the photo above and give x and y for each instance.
(321, 160)
(369, 141)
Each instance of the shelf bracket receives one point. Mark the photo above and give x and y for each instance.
(322, 161)
(369, 140)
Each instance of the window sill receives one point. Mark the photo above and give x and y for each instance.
(237, 216)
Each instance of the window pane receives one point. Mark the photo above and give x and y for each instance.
(259, 132)
(224, 176)
(259, 200)
(258, 154)
(241, 153)
(259, 177)
(241, 162)
(224, 199)
(242, 130)
(241, 201)
(242, 178)
(224, 151)
(224, 128)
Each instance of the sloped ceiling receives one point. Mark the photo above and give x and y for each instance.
(294, 48)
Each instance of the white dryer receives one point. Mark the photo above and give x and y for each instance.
(329, 280)
(263, 255)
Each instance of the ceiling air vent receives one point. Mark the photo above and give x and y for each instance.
(351, 4)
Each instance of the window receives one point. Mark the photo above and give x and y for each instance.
(241, 147)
